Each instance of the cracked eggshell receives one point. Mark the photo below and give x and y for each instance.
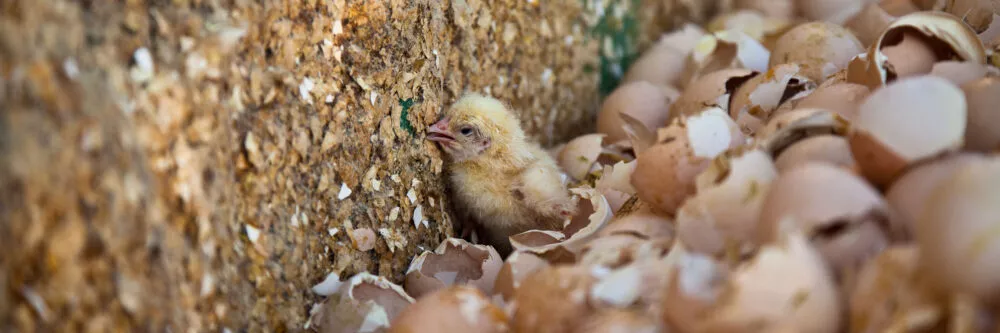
(753, 102)
(785, 286)
(665, 174)
(905, 122)
(455, 261)
(580, 154)
(868, 24)
(844, 217)
(558, 246)
(364, 303)
(724, 50)
(750, 22)
(820, 48)
(664, 62)
(644, 101)
(517, 267)
(553, 299)
(777, 9)
(977, 14)
(786, 129)
(456, 309)
(911, 44)
(619, 321)
(983, 99)
(646, 225)
(614, 184)
(722, 216)
(842, 98)
(889, 293)
(830, 149)
(833, 11)
(908, 195)
(961, 72)
(711, 90)
(959, 232)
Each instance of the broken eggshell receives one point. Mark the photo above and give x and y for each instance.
(664, 62)
(722, 216)
(455, 261)
(842, 98)
(911, 45)
(456, 309)
(868, 24)
(888, 294)
(905, 122)
(785, 129)
(558, 246)
(665, 174)
(908, 195)
(958, 232)
(644, 101)
(619, 321)
(724, 50)
(553, 299)
(842, 215)
(983, 99)
(753, 102)
(962, 72)
(615, 184)
(750, 22)
(785, 286)
(820, 48)
(711, 90)
(518, 266)
(829, 149)
(364, 303)
(579, 155)
(833, 11)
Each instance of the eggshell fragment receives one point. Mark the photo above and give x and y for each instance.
(977, 14)
(905, 122)
(641, 224)
(456, 309)
(750, 22)
(615, 184)
(711, 90)
(722, 216)
(833, 11)
(959, 233)
(619, 321)
(785, 286)
(455, 261)
(753, 102)
(553, 300)
(983, 98)
(648, 103)
(820, 48)
(724, 50)
(844, 217)
(888, 294)
(517, 267)
(788, 128)
(961, 72)
(842, 98)
(664, 62)
(580, 154)
(908, 54)
(557, 246)
(664, 174)
(869, 23)
(908, 195)
(780, 9)
(364, 303)
(829, 149)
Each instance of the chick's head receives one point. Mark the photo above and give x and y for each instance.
(476, 126)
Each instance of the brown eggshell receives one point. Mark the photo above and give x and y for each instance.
(820, 48)
(869, 23)
(780, 9)
(593, 213)
(753, 102)
(833, 11)
(908, 195)
(619, 321)
(456, 309)
(615, 184)
(961, 72)
(553, 299)
(899, 8)
(983, 98)
(784, 287)
(751, 22)
(722, 216)
(642, 224)
(888, 293)
(664, 174)
(842, 98)
(723, 50)
(517, 267)
(978, 14)
(364, 303)
(455, 261)
(663, 63)
(829, 149)
(580, 154)
(650, 104)
(711, 90)
(958, 234)
(846, 218)
(788, 128)
(907, 121)
(947, 37)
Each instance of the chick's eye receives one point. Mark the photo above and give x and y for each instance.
(465, 131)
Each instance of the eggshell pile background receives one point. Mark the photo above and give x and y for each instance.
(794, 166)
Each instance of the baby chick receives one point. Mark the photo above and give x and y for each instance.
(500, 180)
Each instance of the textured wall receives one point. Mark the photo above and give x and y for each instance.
(182, 164)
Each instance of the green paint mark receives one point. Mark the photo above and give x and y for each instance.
(403, 122)
(619, 34)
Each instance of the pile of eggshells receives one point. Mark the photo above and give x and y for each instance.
(821, 173)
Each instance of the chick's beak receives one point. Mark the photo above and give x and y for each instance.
(439, 132)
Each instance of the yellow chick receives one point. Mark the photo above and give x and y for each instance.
(499, 180)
